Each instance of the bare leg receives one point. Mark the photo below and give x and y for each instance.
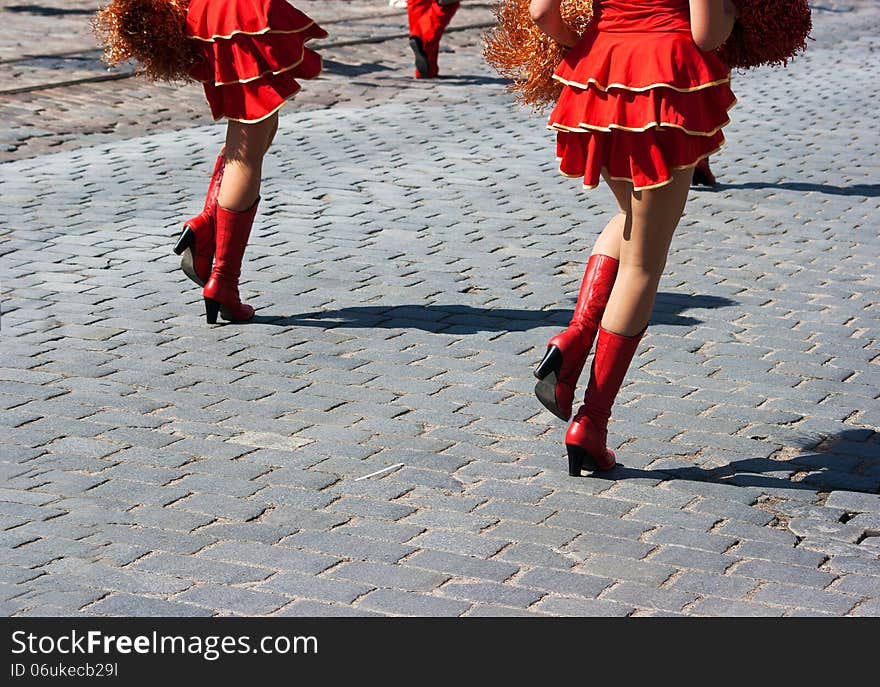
(609, 241)
(246, 145)
(654, 215)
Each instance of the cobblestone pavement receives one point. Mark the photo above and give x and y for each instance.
(370, 444)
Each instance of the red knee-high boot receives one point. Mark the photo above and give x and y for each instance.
(196, 242)
(703, 175)
(232, 231)
(428, 20)
(567, 352)
(587, 434)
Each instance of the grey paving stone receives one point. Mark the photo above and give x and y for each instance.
(615, 567)
(492, 592)
(792, 596)
(691, 539)
(315, 588)
(854, 501)
(778, 554)
(584, 545)
(581, 503)
(642, 596)
(276, 557)
(713, 607)
(497, 509)
(383, 530)
(459, 542)
(156, 539)
(167, 518)
(868, 609)
(520, 493)
(598, 524)
(200, 569)
(495, 611)
(462, 566)
(808, 528)
(130, 605)
(656, 515)
(580, 607)
(401, 577)
(868, 564)
(106, 577)
(318, 609)
(224, 600)
(300, 519)
(690, 559)
(780, 572)
(543, 535)
(371, 508)
(713, 585)
(743, 530)
(393, 602)
(348, 546)
(218, 505)
(857, 585)
(641, 494)
(730, 510)
(563, 582)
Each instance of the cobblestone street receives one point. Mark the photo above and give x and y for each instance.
(370, 444)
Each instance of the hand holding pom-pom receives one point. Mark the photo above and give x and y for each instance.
(767, 32)
(518, 50)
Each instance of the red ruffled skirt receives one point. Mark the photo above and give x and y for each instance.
(252, 53)
(638, 104)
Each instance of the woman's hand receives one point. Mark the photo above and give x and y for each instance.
(711, 22)
(546, 14)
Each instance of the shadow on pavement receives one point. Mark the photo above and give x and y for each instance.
(333, 67)
(465, 319)
(847, 461)
(866, 190)
(465, 80)
(44, 11)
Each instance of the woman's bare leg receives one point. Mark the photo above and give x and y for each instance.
(246, 146)
(608, 242)
(652, 220)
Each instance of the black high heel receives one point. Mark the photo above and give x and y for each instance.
(418, 48)
(186, 245)
(547, 374)
(212, 308)
(186, 240)
(576, 456)
(551, 363)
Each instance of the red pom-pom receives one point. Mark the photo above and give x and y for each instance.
(152, 32)
(767, 32)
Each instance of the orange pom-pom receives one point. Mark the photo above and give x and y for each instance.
(767, 32)
(518, 50)
(152, 32)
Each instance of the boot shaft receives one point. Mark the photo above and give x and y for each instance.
(612, 359)
(232, 231)
(596, 285)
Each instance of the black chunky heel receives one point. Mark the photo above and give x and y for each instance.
(186, 240)
(547, 374)
(186, 245)
(575, 459)
(212, 308)
(552, 362)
